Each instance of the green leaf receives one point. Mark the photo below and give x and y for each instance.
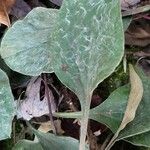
(141, 139)
(111, 112)
(27, 145)
(48, 141)
(126, 22)
(88, 45)
(135, 97)
(7, 108)
(26, 45)
(141, 123)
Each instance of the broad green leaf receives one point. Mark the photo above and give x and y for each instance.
(111, 112)
(134, 100)
(126, 22)
(26, 45)
(7, 108)
(27, 145)
(141, 139)
(48, 141)
(141, 122)
(88, 45)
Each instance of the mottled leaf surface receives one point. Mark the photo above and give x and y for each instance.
(88, 45)
(7, 108)
(48, 141)
(26, 45)
(88, 38)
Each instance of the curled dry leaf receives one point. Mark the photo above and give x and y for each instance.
(135, 97)
(5, 6)
(32, 105)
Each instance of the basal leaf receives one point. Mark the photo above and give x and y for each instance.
(7, 108)
(48, 141)
(26, 45)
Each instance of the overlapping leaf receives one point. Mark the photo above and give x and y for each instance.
(7, 108)
(111, 112)
(48, 141)
(87, 44)
(26, 45)
(84, 55)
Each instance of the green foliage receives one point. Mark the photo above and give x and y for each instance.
(111, 112)
(48, 141)
(82, 43)
(7, 108)
(26, 45)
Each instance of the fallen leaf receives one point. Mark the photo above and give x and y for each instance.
(32, 105)
(135, 97)
(5, 6)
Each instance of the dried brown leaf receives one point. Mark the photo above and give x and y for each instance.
(5, 6)
(135, 97)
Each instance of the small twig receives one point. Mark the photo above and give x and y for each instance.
(49, 104)
(14, 132)
(58, 93)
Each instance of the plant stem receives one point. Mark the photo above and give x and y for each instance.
(84, 122)
(49, 104)
(75, 115)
